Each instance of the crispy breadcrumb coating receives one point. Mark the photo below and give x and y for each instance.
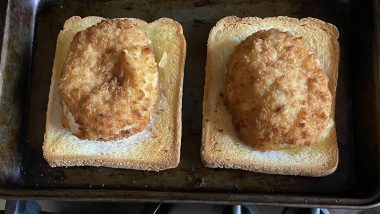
(276, 91)
(109, 83)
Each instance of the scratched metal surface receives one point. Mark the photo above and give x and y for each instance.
(355, 181)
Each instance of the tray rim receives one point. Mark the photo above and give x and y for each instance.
(77, 194)
(189, 197)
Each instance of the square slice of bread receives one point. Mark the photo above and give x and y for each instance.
(220, 146)
(157, 147)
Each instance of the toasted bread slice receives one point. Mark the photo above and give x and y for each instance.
(157, 147)
(220, 144)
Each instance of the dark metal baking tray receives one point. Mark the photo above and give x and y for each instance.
(30, 32)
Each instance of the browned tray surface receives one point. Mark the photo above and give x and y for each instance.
(30, 33)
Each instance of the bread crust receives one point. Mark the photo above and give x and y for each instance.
(222, 149)
(158, 146)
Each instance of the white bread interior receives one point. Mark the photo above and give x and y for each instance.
(220, 146)
(157, 147)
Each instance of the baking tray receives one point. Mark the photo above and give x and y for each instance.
(29, 36)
